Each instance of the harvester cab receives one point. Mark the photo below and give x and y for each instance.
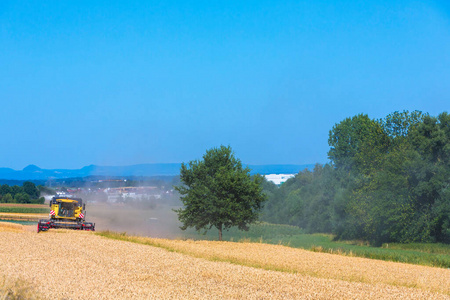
(66, 208)
(66, 212)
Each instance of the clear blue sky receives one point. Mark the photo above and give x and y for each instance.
(128, 82)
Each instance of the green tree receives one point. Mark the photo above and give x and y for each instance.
(15, 189)
(22, 198)
(388, 182)
(399, 125)
(429, 174)
(7, 198)
(40, 200)
(31, 189)
(218, 192)
(5, 189)
(357, 143)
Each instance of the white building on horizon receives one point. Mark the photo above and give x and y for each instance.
(278, 178)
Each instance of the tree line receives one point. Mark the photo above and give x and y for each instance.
(27, 193)
(388, 180)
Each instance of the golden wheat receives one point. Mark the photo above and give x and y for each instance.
(64, 264)
(6, 226)
(323, 265)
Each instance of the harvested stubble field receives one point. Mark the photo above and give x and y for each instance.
(62, 264)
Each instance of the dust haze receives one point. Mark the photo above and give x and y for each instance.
(158, 220)
(136, 205)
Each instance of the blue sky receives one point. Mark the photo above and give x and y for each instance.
(128, 82)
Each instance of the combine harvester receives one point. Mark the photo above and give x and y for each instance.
(66, 212)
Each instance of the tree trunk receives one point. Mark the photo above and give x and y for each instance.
(220, 232)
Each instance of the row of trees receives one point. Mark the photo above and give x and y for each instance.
(27, 193)
(388, 181)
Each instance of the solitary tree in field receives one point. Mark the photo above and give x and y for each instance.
(217, 191)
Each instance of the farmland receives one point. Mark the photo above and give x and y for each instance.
(23, 212)
(22, 216)
(162, 222)
(161, 268)
(437, 255)
(23, 205)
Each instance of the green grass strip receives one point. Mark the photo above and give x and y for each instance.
(24, 210)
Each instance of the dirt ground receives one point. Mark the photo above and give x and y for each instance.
(62, 264)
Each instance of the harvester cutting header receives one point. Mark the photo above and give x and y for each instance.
(66, 212)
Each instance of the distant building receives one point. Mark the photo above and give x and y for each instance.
(119, 194)
(278, 178)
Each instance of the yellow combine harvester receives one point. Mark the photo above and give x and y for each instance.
(66, 212)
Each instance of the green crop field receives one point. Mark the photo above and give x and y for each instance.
(20, 222)
(23, 210)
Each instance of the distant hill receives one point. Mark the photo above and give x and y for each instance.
(33, 172)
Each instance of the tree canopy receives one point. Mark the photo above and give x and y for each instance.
(219, 192)
(388, 181)
(28, 193)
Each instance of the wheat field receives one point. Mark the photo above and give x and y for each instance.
(323, 265)
(63, 264)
